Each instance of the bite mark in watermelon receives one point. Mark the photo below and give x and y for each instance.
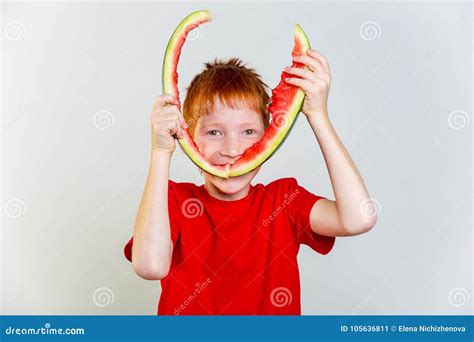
(285, 105)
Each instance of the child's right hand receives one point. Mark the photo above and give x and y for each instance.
(166, 121)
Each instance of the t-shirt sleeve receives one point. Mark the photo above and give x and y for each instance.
(301, 202)
(174, 216)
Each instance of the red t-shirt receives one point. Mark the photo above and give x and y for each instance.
(237, 257)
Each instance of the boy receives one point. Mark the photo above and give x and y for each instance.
(228, 247)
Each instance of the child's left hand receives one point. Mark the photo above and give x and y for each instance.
(315, 82)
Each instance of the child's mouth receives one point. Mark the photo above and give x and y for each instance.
(224, 163)
(218, 160)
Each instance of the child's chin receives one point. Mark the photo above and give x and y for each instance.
(231, 185)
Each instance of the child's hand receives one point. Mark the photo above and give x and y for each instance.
(166, 120)
(315, 82)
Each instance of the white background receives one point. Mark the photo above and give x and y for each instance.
(78, 83)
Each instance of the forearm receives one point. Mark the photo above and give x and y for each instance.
(152, 246)
(349, 188)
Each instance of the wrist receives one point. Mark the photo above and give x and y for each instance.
(319, 113)
(318, 117)
(160, 154)
(320, 123)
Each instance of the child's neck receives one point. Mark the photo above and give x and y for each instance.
(217, 193)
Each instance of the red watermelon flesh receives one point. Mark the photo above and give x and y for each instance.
(286, 102)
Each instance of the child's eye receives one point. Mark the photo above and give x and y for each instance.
(250, 131)
(214, 132)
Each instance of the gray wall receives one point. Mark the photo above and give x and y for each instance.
(78, 83)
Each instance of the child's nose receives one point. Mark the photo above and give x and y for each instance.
(232, 148)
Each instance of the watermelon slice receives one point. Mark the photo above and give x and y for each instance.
(286, 102)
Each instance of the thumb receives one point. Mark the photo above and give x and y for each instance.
(163, 100)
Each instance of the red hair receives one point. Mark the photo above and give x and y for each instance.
(232, 83)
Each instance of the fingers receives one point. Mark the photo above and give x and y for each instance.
(162, 119)
(173, 127)
(323, 60)
(183, 122)
(163, 100)
(303, 73)
(169, 127)
(300, 82)
(314, 65)
(308, 61)
(167, 111)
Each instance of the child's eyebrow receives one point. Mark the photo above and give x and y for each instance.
(214, 123)
(219, 124)
(249, 123)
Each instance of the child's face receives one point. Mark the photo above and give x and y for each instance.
(223, 136)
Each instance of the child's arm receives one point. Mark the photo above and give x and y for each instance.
(152, 246)
(348, 214)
